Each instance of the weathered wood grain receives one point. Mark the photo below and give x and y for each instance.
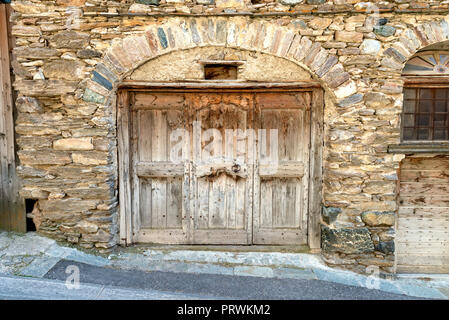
(422, 237)
(12, 207)
(226, 189)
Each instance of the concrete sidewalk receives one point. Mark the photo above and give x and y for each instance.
(33, 256)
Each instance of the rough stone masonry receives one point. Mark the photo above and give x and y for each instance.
(71, 55)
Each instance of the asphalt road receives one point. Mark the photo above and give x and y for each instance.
(219, 286)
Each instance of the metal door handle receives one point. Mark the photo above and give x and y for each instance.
(235, 168)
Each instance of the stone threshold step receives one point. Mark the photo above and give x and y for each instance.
(222, 258)
(223, 248)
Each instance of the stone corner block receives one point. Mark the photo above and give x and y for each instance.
(346, 240)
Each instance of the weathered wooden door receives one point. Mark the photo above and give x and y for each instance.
(282, 171)
(422, 239)
(222, 171)
(219, 167)
(160, 172)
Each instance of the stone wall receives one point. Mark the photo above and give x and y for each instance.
(71, 55)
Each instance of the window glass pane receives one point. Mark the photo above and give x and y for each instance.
(423, 120)
(440, 93)
(409, 93)
(423, 134)
(408, 134)
(440, 134)
(409, 120)
(409, 106)
(440, 106)
(439, 120)
(425, 114)
(425, 105)
(425, 93)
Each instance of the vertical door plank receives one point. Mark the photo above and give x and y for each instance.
(282, 197)
(266, 204)
(231, 203)
(202, 219)
(159, 203)
(159, 135)
(145, 203)
(12, 206)
(124, 139)
(174, 202)
(144, 134)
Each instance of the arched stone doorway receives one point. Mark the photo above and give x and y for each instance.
(221, 191)
(125, 55)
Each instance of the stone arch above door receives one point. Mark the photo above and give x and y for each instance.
(127, 54)
(188, 65)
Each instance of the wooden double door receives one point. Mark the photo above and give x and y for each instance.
(219, 167)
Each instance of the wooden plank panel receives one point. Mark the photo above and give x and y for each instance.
(290, 170)
(283, 206)
(164, 169)
(231, 203)
(145, 197)
(202, 218)
(425, 164)
(158, 203)
(174, 202)
(431, 248)
(424, 200)
(413, 223)
(423, 259)
(242, 205)
(144, 134)
(422, 240)
(277, 203)
(12, 207)
(158, 101)
(217, 198)
(437, 212)
(159, 135)
(125, 194)
(426, 176)
(163, 211)
(419, 188)
(422, 236)
(422, 269)
(291, 208)
(279, 100)
(266, 204)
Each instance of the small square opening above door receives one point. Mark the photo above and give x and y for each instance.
(221, 69)
(218, 71)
